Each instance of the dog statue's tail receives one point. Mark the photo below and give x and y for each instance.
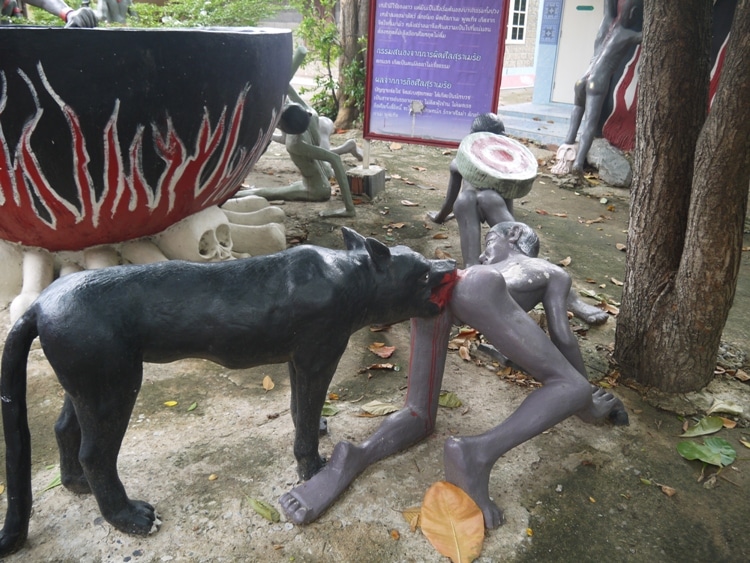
(17, 435)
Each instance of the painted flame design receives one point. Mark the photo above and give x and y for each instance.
(34, 214)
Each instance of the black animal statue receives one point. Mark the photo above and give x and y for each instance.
(98, 327)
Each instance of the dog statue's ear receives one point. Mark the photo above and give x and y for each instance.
(352, 239)
(379, 253)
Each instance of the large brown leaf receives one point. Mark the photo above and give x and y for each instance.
(452, 522)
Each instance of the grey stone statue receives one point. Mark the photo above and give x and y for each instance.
(620, 29)
(491, 297)
(313, 156)
(81, 17)
(470, 205)
(473, 206)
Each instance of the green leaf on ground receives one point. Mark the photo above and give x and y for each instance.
(329, 410)
(56, 482)
(714, 451)
(449, 400)
(264, 509)
(706, 425)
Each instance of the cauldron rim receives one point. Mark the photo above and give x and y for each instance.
(211, 29)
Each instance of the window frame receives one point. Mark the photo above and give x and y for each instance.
(519, 8)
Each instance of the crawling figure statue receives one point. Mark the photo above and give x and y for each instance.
(98, 327)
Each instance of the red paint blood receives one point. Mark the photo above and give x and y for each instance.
(442, 293)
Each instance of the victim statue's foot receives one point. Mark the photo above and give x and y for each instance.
(604, 405)
(307, 501)
(464, 469)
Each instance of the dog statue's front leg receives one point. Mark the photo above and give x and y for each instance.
(309, 389)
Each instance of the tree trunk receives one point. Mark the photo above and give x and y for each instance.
(688, 200)
(355, 17)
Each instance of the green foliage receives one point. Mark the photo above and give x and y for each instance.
(321, 37)
(354, 76)
(178, 13)
(204, 13)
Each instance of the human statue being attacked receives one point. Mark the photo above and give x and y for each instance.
(493, 297)
(472, 206)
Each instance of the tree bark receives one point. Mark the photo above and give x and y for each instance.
(688, 200)
(354, 22)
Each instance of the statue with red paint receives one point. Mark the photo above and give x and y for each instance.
(492, 297)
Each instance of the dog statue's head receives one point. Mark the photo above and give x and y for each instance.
(406, 282)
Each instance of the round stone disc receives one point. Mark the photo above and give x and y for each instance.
(497, 162)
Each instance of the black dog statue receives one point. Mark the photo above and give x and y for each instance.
(98, 327)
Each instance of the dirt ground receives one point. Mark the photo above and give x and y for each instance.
(575, 493)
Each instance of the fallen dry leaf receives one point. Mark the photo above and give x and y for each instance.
(395, 146)
(381, 350)
(592, 221)
(412, 516)
(452, 522)
(419, 168)
(379, 408)
(440, 254)
(170, 403)
(268, 383)
(728, 422)
(620, 246)
(395, 535)
(391, 367)
(463, 351)
(669, 491)
(407, 203)
(616, 281)
(741, 375)
(611, 309)
(565, 261)
(439, 236)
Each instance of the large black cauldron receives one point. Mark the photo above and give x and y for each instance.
(110, 134)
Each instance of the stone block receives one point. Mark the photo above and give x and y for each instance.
(369, 181)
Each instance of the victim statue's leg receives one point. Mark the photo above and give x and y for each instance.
(481, 300)
(466, 211)
(594, 103)
(413, 423)
(296, 191)
(586, 312)
(576, 115)
(494, 208)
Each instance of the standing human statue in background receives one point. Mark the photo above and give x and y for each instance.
(115, 11)
(620, 29)
(82, 17)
